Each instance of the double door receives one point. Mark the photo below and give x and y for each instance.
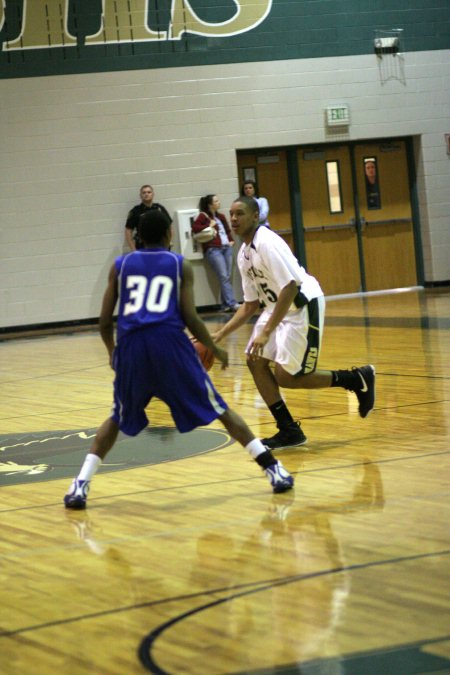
(355, 218)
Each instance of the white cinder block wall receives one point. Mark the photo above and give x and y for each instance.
(76, 148)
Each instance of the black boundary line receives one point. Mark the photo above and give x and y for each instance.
(311, 417)
(377, 409)
(211, 314)
(89, 325)
(144, 650)
(86, 369)
(260, 586)
(413, 375)
(231, 363)
(393, 323)
(224, 482)
(56, 374)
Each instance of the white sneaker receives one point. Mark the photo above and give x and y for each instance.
(77, 495)
(280, 479)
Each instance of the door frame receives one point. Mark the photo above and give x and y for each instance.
(295, 195)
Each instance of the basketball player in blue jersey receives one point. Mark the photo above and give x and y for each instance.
(288, 332)
(155, 357)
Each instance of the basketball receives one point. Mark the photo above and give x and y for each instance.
(206, 356)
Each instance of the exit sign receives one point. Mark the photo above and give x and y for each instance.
(337, 115)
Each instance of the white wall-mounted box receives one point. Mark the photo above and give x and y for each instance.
(182, 235)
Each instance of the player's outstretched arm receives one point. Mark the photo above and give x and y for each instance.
(192, 319)
(106, 323)
(243, 314)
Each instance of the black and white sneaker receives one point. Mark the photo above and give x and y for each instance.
(365, 388)
(280, 479)
(77, 496)
(288, 437)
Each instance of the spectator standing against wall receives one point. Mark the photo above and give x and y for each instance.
(250, 189)
(219, 250)
(147, 195)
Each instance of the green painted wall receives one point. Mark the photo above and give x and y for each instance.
(292, 29)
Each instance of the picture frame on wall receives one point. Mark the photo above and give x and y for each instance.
(249, 173)
(372, 185)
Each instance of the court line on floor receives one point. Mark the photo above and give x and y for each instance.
(225, 482)
(145, 647)
(249, 588)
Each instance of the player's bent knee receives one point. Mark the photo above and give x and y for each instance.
(257, 365)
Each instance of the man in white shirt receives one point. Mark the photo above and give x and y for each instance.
(289, 330)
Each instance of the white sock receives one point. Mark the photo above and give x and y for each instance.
(90, 466)
(255, 448)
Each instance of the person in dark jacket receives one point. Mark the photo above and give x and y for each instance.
(146, 194)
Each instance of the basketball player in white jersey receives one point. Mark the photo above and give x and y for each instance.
(289, 330)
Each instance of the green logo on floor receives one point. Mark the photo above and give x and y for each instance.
(42, 456)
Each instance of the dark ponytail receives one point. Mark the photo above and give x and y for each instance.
(205, 203)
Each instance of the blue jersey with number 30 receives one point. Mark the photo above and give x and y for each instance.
(149, 289)
(156, 357)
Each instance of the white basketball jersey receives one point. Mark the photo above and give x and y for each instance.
(267, 265)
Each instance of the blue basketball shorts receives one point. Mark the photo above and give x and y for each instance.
(161, 361)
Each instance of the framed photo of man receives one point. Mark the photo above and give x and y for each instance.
(373, 196)
(249, 173)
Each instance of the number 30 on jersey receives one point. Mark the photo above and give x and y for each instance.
(155, 294)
